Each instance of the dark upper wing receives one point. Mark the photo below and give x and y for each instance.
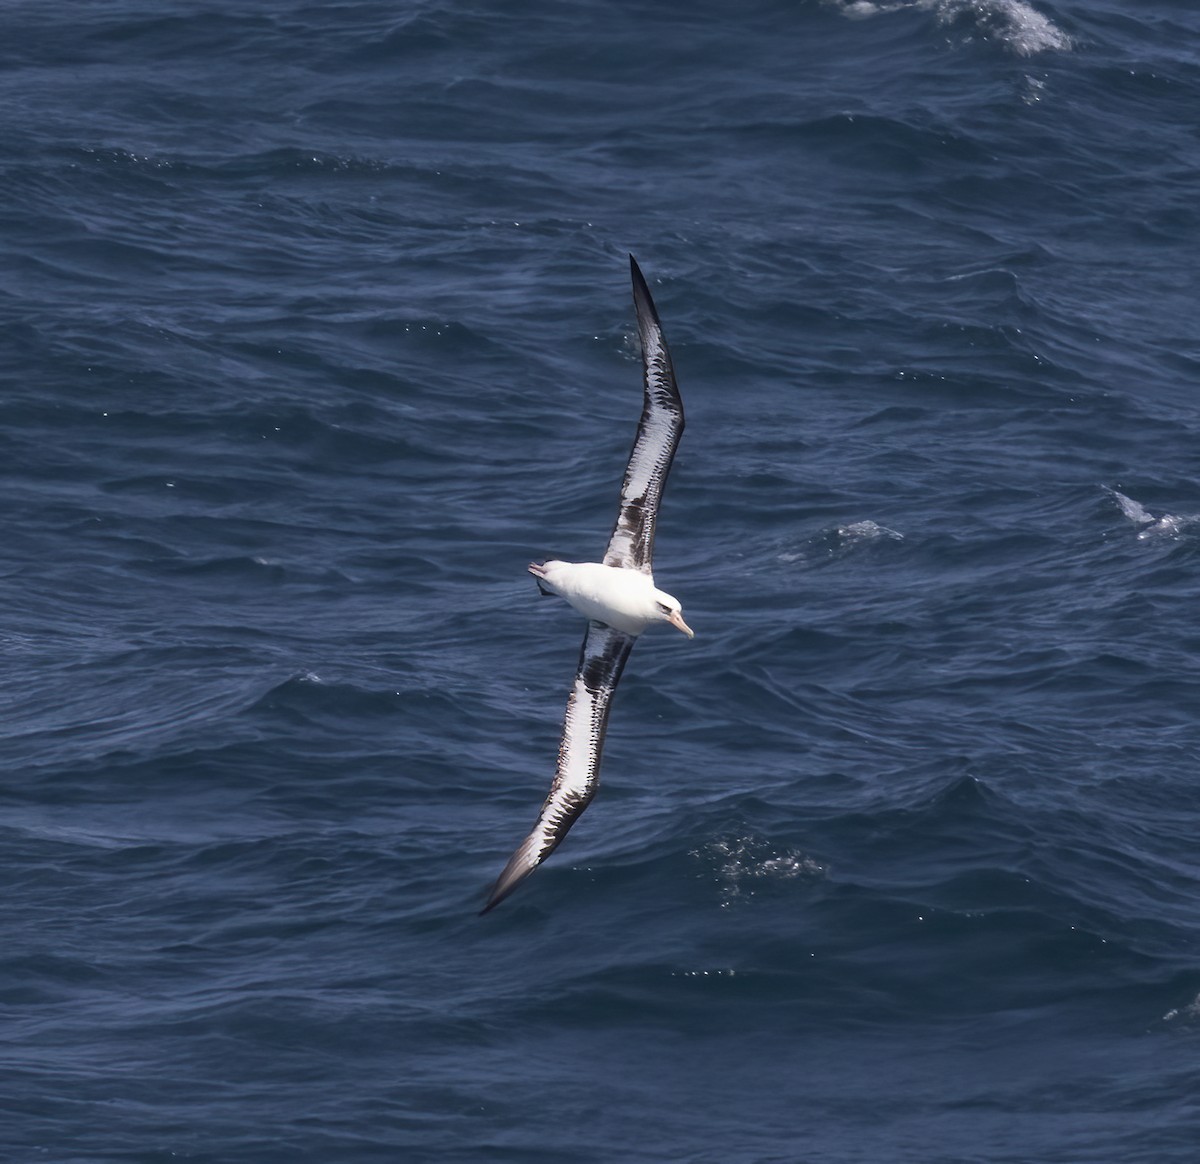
(661, 426)
(600, 664)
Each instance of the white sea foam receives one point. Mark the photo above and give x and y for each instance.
(866, 531)
(742, 862)
(1191, 1012)
(840, 539)
(1169, 525)
(1014, 24)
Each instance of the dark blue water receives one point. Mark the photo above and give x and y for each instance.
(316, 329)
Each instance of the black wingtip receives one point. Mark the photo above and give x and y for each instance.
(635, 273)
(510, 877)
(498, 894)
(642, 299)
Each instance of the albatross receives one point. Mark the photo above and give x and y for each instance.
(617, 596)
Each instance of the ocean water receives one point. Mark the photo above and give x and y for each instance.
(317, 328)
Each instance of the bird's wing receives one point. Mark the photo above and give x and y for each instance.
(600, 664)
(659, 430)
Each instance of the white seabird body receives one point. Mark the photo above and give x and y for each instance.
(625, 599)
(617, 597)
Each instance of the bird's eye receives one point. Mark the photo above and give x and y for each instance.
(664, 608)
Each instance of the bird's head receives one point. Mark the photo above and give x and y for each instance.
(669, 610)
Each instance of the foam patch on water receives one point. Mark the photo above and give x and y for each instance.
(1170, 525)
(1014, 24)
(866, 531)
(840, 539)
(744, 863)
(1189, 1013)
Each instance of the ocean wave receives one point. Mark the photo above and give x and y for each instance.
(1148, 526)
(1014, 24)
(132, 703)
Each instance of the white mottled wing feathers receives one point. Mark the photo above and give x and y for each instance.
(600, 664)
(632, 542)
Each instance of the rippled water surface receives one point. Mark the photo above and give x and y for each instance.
(317, 329)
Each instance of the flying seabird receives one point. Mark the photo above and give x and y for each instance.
(617, 597)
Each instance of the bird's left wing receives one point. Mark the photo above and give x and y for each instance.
(600, 664)
(659, 430)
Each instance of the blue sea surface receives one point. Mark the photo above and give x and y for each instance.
(317, 329)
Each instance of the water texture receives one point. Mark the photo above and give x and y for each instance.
(317, 329)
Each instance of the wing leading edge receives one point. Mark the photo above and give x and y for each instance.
(575, 780)
(659, 430)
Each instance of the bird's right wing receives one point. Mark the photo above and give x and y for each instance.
(600, 664)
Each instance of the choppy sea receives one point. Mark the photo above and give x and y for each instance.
(317, 328)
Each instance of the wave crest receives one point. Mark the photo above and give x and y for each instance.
(1014, 24)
